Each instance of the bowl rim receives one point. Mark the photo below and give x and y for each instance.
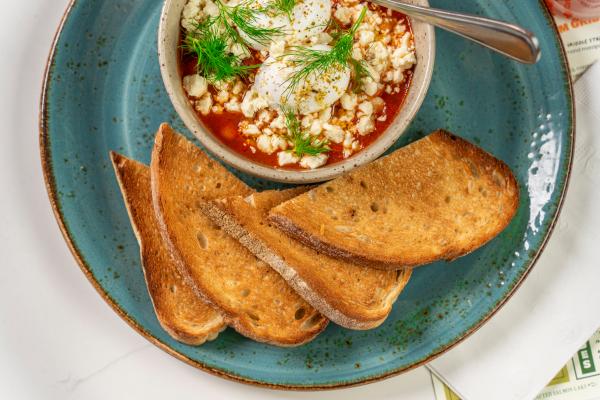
(220, 150)
(46, 161)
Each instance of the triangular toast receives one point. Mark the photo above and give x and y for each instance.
(180, 311)
(348, 294)
(436, 199)
(255, 300)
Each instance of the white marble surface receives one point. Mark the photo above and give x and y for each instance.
(58, 339)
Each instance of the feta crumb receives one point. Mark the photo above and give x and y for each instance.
(251, 130)
(233, 105)
(333, 133)
(238, 87)
(195, 85)
(366, 107)
(278, 122)
(369, 86)
(264, 144)
(365, 37)
(252, 102)
(204, 104)
(316, 128)
(349, 101)
(344, 15)
(286, 157)
(222, 96)
(357, 53)
(325, 114)
(313, 162)
(365, 125)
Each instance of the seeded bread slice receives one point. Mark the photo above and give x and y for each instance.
(436, 199)
(255, 300)
(348, 294)
(179, 310)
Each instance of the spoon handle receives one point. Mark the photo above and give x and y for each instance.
(508, 39)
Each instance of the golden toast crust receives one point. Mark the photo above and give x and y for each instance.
(436, 199)
(179, 310)
(255, 300)
(348, 294)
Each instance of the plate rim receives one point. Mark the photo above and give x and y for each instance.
(49, 181)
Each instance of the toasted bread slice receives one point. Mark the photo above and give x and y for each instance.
(255, 300)
(348, 294)
(181, 313)
(438, 198)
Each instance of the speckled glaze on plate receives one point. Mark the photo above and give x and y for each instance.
(103, 91)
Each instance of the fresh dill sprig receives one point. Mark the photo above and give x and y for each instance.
(318, 62)
(243, 17)
(303, 143)
(284, 6)
(215, 61)
(211, 40)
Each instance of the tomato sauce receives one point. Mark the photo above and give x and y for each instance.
(225, 125)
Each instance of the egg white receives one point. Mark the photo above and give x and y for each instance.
(316, 93)
(308, 18)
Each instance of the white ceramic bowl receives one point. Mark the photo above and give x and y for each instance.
(168, 40)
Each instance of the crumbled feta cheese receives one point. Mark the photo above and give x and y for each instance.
(204, 104)
(195, 85)
(397, 76)
(222, 96)
(217, 109)
(316, 128)
(333, 133)
(278, 122)
(402, 58)
(271, 143)
(191, 14)
(344, 15)
(357, 53)
(252, 102)
(250, 129)
(233, 105)
(313, 162)
(348, 138)
(238, 87)
(325, 114)
(349, 101)
(365, 125)
(279, 142)
(210, 9)
(378, 104)
(286, 157)
(369, 86)
(365, 37)
(366, 107)
(378, 56)
(400, 28)
(265, 116)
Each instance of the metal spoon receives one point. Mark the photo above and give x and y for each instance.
(511, 40)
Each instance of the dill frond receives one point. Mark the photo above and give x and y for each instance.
(284, 7)
(318, 62)
(303, 143)
(211, 40)
(215, 61)
(243, 17)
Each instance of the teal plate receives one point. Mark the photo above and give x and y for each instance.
(103, 91)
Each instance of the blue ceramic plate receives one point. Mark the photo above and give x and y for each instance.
(103, 91)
